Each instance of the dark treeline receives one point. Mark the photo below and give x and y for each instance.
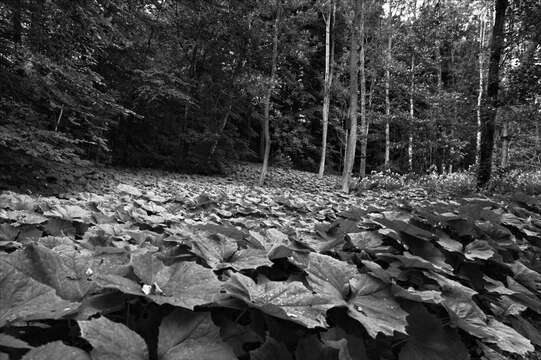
(189, 84)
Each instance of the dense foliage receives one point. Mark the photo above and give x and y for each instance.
(169, 268)
(181, 84)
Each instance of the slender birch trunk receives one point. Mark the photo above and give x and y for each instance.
(412, 109)
(412, 116)
(328, 83)
(354, 98)
(482, 35)
(364, 123)
(387, 89)
(268, 95)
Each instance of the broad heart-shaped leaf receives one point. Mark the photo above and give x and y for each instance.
(271, 350)
(184, 284)
(69, 212)
(23, 298)
(54, 351)
(467, 315)
(14, 201)
(65, 275)
(526, 276)
(478, 249)
(368, 299)
(429, 339)
(112, 340)
(405, 228)
(220, 252)
(285, 300)
(524, 296)
(187, 335)
(372, 304)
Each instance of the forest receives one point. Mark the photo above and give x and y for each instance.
(189, 85)
(270, 180)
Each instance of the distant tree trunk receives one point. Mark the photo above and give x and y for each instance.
(364, 123)
(266, 127)
(412, 109)
(353, 97)
(482, 32)
(219, 132)
(387, 89)
(412, 116)
(328, 84)
(505, 142)
(488, 112)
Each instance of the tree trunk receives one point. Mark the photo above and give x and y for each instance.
(364, 123)
(328, 84)
(268, 95)
(353, 97)
(219, 133)
(412, 109)
(505, 141)
(387, 89)
(488, 113)
(412, 116)
(482, 32)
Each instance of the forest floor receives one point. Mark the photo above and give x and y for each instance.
(268, 263)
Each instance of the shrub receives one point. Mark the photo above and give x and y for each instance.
(388, 180)
(514, 180)
(455, 184)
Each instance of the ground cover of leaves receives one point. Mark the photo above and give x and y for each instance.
(151, 265)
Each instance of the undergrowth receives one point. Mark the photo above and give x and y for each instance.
(454, 184)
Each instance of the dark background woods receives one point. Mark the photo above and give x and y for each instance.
(182, 84)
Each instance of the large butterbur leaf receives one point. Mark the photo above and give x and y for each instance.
(23, 298)
(368, 299)
(54, 351)
(186, 335)
(221, 252)
(466, 314)
(429, 339)
(65, 274)
(286, 300)
(184, 284)
(111, 340)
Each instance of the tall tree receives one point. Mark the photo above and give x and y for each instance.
(364, 123)
(265, 167)
(388, 87)
(328, 83)
(488, 116)
(351, 142)
(481, 60)
(411, 91)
